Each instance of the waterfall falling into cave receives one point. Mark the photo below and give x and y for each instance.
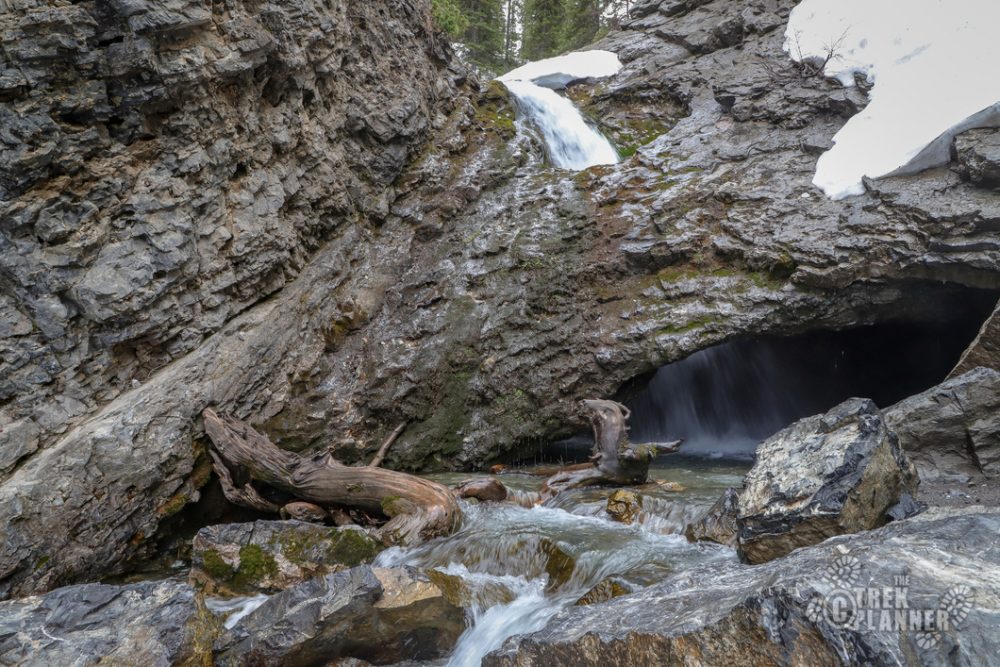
(724, 400)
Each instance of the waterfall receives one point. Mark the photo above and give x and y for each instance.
(570, 141)
(722, 400)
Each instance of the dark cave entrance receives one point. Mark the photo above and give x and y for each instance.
(725, 399)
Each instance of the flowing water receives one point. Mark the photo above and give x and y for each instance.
(722, 401)
(518, 566)
(570, 141)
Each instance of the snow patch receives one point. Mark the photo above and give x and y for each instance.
(560, 71)
(931, 63)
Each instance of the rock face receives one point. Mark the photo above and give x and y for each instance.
(951, 432)
(167, 166)
(300, 212)
(822, 605)
(826, 475)
(158, 624)
(381, 616)
(978, 154)
(269, 556)
(984, 350)
(718, 523)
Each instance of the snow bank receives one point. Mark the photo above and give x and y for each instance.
(932, 63)
(560, 71)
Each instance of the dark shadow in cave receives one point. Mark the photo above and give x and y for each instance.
(725, 399)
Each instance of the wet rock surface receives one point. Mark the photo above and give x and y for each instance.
(836, 473)
(718, 523)
(786, 612)
(202, 207)
(624, 506)
(984, 350)
(269, 556)
(158, 624)
(951, 432)
(378, 615)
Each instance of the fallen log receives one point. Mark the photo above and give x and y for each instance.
(615, 461)
(417, 508)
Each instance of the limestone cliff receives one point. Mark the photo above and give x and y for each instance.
(165, 167)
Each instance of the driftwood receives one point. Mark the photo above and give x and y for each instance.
(615, 461)
(416, 508)
(380, 454)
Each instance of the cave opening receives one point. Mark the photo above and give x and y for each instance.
(724, 400)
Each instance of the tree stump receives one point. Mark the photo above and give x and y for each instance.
(615, 461)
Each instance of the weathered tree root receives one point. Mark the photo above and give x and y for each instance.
(417, 508)
(615, 461)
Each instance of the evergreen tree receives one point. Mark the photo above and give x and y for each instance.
(583, 23)
(512, 34)
(484, 35)
(449, 17)
(543, 28)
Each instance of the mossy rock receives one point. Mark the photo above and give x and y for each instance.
(268, 556)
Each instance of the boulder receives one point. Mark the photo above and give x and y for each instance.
(605, 590)
(951, 432)
(154, 624)
(848, 601)
(486, 489)
(984, 349)
(624, 505)
(378, 615)
(718, 523)
(269, 556)
(825, 475)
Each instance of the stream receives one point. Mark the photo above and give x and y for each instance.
(518, 567)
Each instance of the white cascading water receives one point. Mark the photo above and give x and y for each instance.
(521, 566)
(570, 141)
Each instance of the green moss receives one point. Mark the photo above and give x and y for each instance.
(216, 567)
(173, 505)
(255, 565)
(340, 546)
(517, 406)
(690, 325)
(352, 547)
(202, 630)
(495, 114)
(389, 505)
(42, 562)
